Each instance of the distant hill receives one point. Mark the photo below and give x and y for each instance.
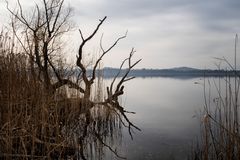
(172, 72)
(184, 69)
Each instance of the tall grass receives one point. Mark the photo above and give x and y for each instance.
(220, 138)
(35, 125)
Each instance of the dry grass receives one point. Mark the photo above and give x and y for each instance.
(37, 125)
(220, 130)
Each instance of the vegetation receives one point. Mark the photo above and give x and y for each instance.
(49, 110)
(220, 134)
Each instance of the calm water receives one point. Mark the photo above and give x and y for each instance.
(165, 112)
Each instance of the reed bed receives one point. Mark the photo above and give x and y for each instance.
(220, 130)
(37, 125)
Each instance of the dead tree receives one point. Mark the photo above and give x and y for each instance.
(40, 42)
(111, 102)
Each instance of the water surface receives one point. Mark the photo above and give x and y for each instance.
(165, 108)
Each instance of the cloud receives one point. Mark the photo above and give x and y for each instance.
(166, 33)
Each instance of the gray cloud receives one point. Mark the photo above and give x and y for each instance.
(214, 14)
(166, 33)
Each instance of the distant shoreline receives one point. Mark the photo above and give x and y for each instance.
(173, 72)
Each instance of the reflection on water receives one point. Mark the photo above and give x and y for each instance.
(165, 108)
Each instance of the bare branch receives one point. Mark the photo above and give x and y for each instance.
(104, 52)
(21, 19)
(88, 38)
(79, 57)
(81, 34)
(128, 70)
(68, 82)
(47, 18)
(57, 16)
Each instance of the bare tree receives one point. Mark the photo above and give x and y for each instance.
(41, 40)
(67, 127)
(111, 102)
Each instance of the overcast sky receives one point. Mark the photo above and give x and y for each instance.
(165, 33)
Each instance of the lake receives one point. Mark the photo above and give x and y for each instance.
(165, 111)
